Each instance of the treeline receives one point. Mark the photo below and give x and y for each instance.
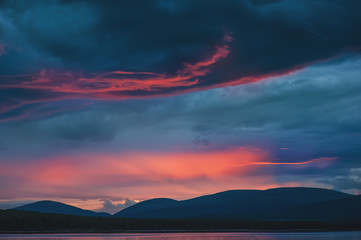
(23, 221)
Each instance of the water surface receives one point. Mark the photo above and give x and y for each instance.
(191, 236)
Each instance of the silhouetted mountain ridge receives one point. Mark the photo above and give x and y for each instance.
(278, 204)
(48, 206)
(271, 204)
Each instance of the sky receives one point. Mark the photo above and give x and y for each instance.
(107, 103)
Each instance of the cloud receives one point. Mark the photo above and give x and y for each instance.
(350, 181)
(120, 51)
(111, 207)
(313, 112)
(13, 204)
(316, 104)
(316, 160)
(116, 83)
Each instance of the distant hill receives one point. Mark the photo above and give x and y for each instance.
(344, 209)
(57, 207)
(273, 204)
(278, 204)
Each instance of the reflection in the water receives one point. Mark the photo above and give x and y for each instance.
(192, 236)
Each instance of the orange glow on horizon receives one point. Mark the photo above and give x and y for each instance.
(143, 175)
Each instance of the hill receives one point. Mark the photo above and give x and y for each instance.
(61, 208)
(278, 204)
(273, 204)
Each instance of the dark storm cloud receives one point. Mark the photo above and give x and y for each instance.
(318, 105)
(16, 97)
(74, 48)
(307, 122)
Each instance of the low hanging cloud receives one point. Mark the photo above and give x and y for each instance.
(111, 207)
(350, 181)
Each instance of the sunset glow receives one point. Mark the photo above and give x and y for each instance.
(107, 103)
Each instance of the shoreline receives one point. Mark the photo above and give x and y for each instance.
(180, 231)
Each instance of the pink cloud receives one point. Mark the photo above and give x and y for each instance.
(315, 160)
(99, 85)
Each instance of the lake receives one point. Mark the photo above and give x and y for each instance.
(191, 236)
